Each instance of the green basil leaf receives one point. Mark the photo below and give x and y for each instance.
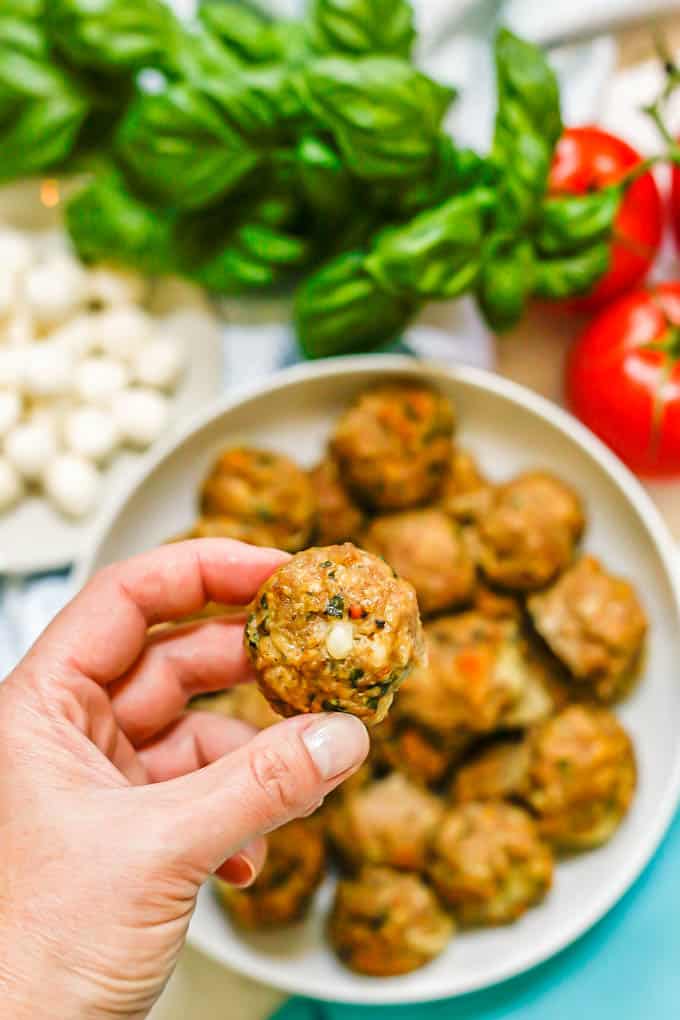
(528, 124)
(26, 68)
(260, 103)
(243, 30)
(179, 148)
(111, 34)
(453, 172)
(505, 283)
(107, 223)
(42, 131)
(341, 308)
(362, 27)
(384, 115)
(572, 275)
(438, 254)
(571, 222)
(327, 188)
(258, 256)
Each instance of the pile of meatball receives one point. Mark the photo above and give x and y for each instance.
(501, 752)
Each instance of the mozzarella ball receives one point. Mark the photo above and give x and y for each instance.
(141, 415)
(30, 448)
(74, 336)
(11, 485)
(49, 370)
(16, 252)
(159, 364)
(98, 379)
(72, 484)
(12, 367)
(10, 410)
(55, 289)
(122, 332)
(112, 287)
(90, 432)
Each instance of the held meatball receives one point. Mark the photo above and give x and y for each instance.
(334, 629)
(283, 891)
(244, 702)
(387, 922)
(489, 864)
(340, 519)
(394, 444)
(476, 678)
(260, 497)
(594, 623)
(391, 821)
(426, 548)
(529, 532)
(582, 776)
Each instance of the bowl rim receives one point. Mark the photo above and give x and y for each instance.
(386, 364)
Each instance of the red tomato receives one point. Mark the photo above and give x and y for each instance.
(623, 378)
(587, 159)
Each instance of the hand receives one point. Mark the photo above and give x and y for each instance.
(115, 804)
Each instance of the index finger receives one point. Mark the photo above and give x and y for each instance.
(103, 630)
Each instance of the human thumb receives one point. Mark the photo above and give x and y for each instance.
(281, 774)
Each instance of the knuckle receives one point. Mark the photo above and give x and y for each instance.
(275, 776)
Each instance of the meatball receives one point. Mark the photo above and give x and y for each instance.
(582, 776)
(529, 532)
(594, 623)
(489, 864)
(387, 922)
(423, 756)
(259, 497)
(465, 493)
(245, 702)
(476, 678)
(334, 629)
(499, 772)
(391, 821)
(340, 519)
(394, 444)
(427, 548)
(283, 891)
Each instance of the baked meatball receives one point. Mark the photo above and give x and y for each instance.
(499, 771)
(386, 922)
(489, 864)
(283, 891)
(529, 532)
(340, 519)
(582, 776)
(475, 678)
(259, 497)
(334, 629)
(595, 625)
(391, 821)
(245, 702)
(427, 548)
(466, 493)
(425, 757)
(394, 444)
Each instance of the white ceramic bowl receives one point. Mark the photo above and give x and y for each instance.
(509, 429)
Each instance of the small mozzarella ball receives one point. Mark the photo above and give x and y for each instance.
(159, 364)
(10, 410)
(141, 415)
(55, 289)
(72, 484)
(19, 329)
(98, 379)
(121, 332)
(91, 433)
(16, 252)
(30, 448)
(11, 485)
(113, 287)
(49, 369)
(12, 367)
(75, 336)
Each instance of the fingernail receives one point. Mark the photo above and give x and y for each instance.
(239, 871)
(336, 743)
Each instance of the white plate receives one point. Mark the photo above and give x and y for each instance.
(509, 429)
